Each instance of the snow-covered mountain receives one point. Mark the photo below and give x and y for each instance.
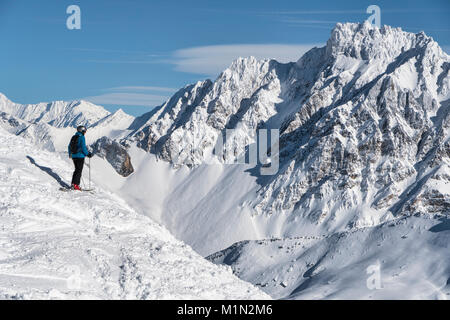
(363, 157)
(59, 114)
(114, 126)
(363, 136)
(186, 127)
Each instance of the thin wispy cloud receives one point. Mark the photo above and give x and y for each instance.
(318, 24)
(142, 88)
(425, 29)
(116, 56)
(309, 21)
(124, 61)
(211, 60)
(351, 11)
(127, 99)
(313, 26)
(294, 12)
(105, 50)
(148, 96)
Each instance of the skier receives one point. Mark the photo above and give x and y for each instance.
(78, 151)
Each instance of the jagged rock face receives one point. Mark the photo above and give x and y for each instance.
(185, 129)
(155, 135)
(363, 126)
(115, 154)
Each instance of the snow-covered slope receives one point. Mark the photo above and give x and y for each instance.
(411, 255)
(75, 245)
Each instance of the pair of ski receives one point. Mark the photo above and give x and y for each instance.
(66, 189)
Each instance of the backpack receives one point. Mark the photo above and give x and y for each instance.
(74, 144)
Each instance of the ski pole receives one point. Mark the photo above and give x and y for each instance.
(89, 173)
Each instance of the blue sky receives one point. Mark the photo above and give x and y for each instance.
(134, 54)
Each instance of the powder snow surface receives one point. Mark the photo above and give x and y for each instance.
(75, 245)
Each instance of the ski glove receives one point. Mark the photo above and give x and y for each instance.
(90, 155)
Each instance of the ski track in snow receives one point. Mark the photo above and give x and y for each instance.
(76, 245)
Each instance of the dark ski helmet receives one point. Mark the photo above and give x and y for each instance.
(81, 129)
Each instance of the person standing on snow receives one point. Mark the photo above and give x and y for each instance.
(78, 151)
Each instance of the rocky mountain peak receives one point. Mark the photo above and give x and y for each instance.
(365, 41)
(244, 65)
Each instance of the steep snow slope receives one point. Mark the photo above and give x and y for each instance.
(412, 254)
(56, 244)
(209, 198)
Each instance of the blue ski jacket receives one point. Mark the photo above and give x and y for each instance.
(82, 149)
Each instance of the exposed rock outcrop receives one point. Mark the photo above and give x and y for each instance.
(115, 154)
